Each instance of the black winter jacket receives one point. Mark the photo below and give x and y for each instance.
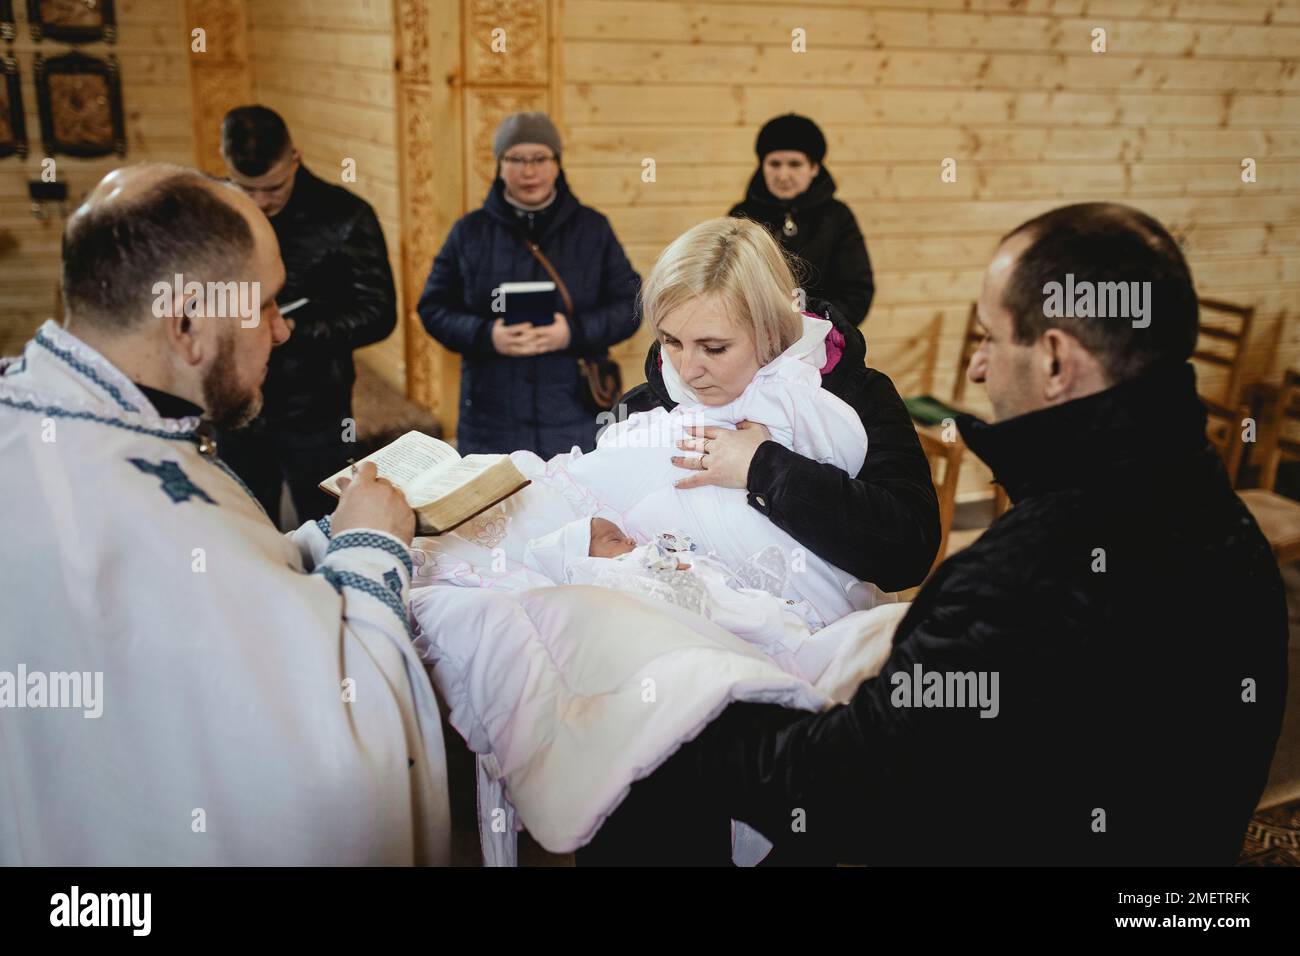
(1137, 621)
(881, 525)
(334, 254)
(531, 402)
(828, 240)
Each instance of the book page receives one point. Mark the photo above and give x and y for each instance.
(449, 477)
(405, 460)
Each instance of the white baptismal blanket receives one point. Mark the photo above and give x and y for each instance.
(631, 473)
(573, 693)
(629, 479)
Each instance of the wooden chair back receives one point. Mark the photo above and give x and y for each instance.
(971, 340)
(945, 470)
(1222, 343)
(1284, 444)
(1223, 429)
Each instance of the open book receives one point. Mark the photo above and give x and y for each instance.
(444, 489)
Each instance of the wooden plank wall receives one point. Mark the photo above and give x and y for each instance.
(327, 66)
(1008, 88)
(152, 48)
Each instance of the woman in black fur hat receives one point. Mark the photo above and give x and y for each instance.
(793, 194)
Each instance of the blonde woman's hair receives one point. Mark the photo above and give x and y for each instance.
(738, 262)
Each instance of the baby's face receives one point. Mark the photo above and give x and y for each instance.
(608, 540)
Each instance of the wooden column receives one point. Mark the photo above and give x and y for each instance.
(220, 78)
(454, 89)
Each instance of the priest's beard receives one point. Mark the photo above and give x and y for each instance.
(229, 404)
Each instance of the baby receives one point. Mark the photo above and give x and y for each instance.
(628, 483)
(632, 475)
(671, 568)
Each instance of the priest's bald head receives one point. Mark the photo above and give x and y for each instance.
(172, 276)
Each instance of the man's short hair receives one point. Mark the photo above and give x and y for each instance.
(115, 253)
(1102, 242)
(253, 139)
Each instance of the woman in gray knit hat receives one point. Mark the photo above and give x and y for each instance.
(525, 385)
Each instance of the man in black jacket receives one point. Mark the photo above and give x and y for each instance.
(1099, 679)
(335, 258)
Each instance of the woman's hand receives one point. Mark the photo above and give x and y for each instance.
(727, 454)
(525, 339)
(553, 337)
(512, 339)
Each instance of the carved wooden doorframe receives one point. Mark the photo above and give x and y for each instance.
(462, 66)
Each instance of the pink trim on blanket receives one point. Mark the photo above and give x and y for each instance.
(834, 347)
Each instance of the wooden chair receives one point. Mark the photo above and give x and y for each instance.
(945, 468)
(1230, 356)
(931, 435)
(1278, 516)
(970, 342)
(1223, 429)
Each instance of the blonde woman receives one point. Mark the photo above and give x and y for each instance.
(761, 369)
(720, 304)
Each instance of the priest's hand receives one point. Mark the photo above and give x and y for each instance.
(373, 503)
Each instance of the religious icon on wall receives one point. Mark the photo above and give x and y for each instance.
(73, 21)
(13, 128)
(8, 30)
(80, 100)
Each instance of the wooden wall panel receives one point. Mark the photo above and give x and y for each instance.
(328, 67)
(152, 51)
(431, 125)
(219, 73)
(1008, 88)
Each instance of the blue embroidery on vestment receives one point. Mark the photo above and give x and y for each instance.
(349, 579)
(85, 370)
(58, 412)
(175, 482)
(368, 539)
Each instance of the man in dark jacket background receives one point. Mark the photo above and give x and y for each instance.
(1099, 679)
(335, 257)
(793, 194)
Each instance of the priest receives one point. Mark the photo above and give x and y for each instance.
(258, 700)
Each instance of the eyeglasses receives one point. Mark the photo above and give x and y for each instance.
(526, 162)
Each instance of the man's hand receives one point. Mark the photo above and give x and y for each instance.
(373, 503)
(727, 454)
(512, 339)
(553, 337)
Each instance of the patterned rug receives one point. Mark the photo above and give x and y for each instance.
(1273, 837)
